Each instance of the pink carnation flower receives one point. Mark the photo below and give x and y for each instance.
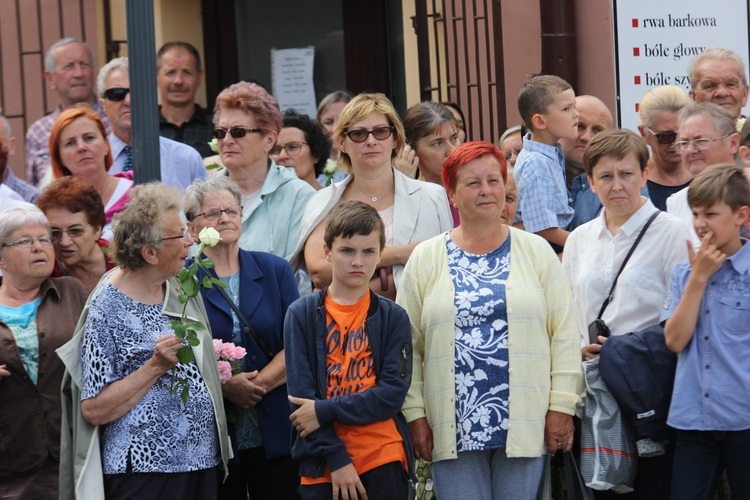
(225, 371)
(218, 346)
(233, 352)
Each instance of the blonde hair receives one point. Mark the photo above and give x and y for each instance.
(669, 98)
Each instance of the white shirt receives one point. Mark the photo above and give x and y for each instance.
(677, 205)
(593, 256)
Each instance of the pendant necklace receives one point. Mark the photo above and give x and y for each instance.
(373, 198)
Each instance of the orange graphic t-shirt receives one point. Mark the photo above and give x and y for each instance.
(350, 369)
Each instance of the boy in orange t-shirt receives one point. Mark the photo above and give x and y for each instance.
(348, 361)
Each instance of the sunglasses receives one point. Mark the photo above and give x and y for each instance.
(380, 133)
(235, 132)
(664, 137)
(116, 94)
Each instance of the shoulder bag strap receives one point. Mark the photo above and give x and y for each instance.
(242, 318)
(627, 257)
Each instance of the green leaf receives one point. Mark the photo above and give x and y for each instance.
(218, 283)
(183, 274)
(185, 395)
(185, 355)
(207, 263)
(207, 283)
(195, 324)
(183, 298)
(192, 338)
(180, 330)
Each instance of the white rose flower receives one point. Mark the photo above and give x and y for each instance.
(209, 237)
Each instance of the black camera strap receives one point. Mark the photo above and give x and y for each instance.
(627, 257)
(248, 327)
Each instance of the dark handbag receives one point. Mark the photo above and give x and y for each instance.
(575, 485)
(248, 328)
(598, 327)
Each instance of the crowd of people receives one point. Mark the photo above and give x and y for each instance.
(405, 311)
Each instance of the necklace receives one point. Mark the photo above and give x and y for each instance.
(373, 198)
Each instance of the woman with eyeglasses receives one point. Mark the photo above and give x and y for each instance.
(370, 135)
(658, 113)
(38, 314)
(248, 121)
(303, 146)
(128, 433)
(76, 216)
(261, 286)
(79, 147)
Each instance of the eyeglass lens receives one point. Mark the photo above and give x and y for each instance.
(116, 94)
(380, 133)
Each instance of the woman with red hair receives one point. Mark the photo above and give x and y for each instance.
(496, 365)
(78, 146)
(76, 215)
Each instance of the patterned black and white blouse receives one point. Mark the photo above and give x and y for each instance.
(159, 434)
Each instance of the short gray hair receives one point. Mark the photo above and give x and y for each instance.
(717, 53)
(15, 218)
(50, 62)
(669, 98)
(6, 124)
(722, 120)
(196, 193)
(120, 63)
(515, 129)
(140, 224)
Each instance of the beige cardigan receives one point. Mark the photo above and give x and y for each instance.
(544, 356)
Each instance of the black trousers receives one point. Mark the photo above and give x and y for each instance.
(387, 482)
(260, 478)
(196, 485)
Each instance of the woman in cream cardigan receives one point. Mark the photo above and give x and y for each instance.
(496, 374)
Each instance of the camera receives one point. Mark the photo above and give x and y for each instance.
(597, 328)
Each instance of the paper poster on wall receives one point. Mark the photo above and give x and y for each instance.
(656, 39)
(292, 79)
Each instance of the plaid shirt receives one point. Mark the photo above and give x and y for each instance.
(196, 132)
(28, 192)
(37, 142)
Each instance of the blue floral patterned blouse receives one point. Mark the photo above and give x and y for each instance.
(481, 346)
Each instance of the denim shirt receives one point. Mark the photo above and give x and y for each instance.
(712, 382)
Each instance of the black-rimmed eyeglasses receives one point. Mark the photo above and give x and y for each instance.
(184, 235)
(215, 213)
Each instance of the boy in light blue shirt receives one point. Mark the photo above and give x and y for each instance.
(547, 105)
(707, 315)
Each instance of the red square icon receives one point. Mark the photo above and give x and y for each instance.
(637, 79)
(635, 23)
(636, 51)
(637, 107)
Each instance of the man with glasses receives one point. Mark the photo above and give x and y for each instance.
(659, 111)
(180, 163)
(593, 117)
(69, 71)
(706, 137)
(178, 76)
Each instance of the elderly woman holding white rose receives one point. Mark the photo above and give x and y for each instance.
(261, 287)
(152, 443)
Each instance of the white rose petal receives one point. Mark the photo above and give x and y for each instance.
(209, 236)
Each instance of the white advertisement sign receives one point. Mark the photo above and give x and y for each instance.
(655, 40)
(292, 79)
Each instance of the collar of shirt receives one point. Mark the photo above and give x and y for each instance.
(116, 144)
(554, 152)
(200, 115)
(633, 224)
(740, 261)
